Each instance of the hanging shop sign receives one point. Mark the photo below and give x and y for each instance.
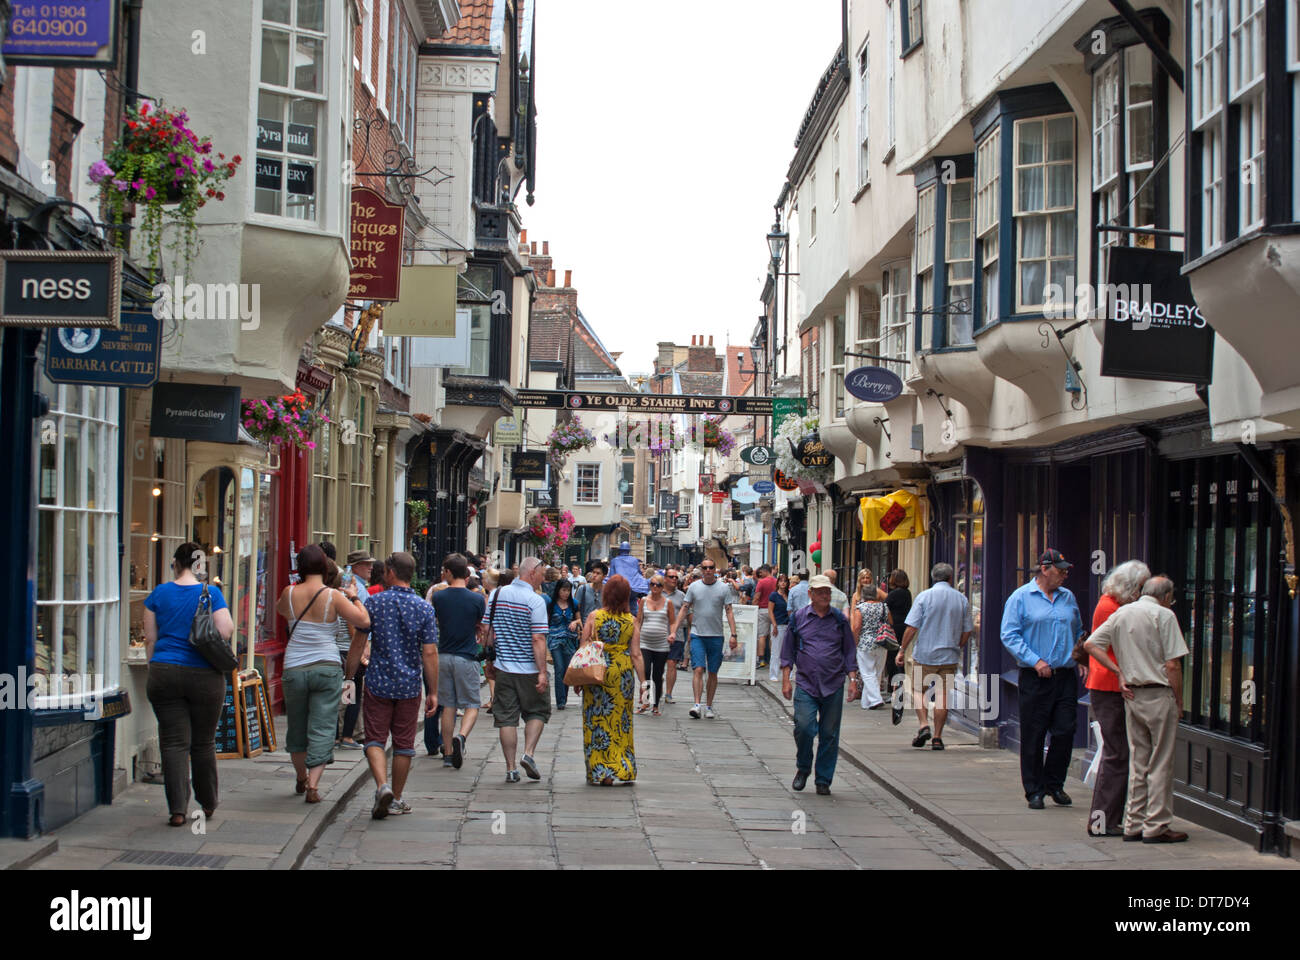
(682, 521)
(759, 455)
(785, 483)
(782, 407)
(645, 402)
(811, 452)
(528, 464)
(667, 502)
(706, 483)
(428, 304)
(897, 516)
(376, 246)
(125, 357)
(508, 432)
(80, 34)
(764, 487)
(195, 412)
(1154, 329)
(719, 496)
(60, 288)
(874, 384)
(744, 492)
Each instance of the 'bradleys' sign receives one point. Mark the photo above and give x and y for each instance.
(57, 288)
(69, 34)
(1154, 329)
(125, 357)
(377, 230)
(195, 412)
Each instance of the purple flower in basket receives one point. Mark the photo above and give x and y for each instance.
(99, 170)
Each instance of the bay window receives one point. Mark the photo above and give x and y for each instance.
(1245, 87)
(474, 292)
(837, 366)
(925, 209)
(1251, 140)
(988, 179)
(864, 114)
(960, 265)
(895, 298)
(1044, 209)
(291, 107)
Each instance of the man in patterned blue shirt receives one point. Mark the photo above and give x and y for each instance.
(1040, 626)
(403, 644)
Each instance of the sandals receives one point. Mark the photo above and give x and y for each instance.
(301, 787)
(655, 712)
(313, 795)
(921, 737)
(937, 744)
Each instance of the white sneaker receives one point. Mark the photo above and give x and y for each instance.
(695, 712)
(709, 714)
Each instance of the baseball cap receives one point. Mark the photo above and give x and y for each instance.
(1054, 558)
(821, 580)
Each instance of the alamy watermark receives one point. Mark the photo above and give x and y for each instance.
(52, 691)
(178, 300)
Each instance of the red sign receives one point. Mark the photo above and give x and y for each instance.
(785, 483)
(706, 483)
(719, 496)
(377, 236)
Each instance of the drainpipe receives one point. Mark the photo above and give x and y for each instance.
(133, 8)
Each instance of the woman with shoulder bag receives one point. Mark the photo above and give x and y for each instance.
(186, 692)
(313, 676)
(871, 625)
(607, 708)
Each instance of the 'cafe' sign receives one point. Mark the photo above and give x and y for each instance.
(377, 233)
(811, 452)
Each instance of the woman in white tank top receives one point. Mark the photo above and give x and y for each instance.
(654, 617)
(313, 674)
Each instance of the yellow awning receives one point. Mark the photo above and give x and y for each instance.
(897, 516)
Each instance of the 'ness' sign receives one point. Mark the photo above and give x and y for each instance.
(60, 288)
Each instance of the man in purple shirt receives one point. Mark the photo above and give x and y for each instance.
(820, 647)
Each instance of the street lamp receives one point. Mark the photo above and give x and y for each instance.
(776, 241)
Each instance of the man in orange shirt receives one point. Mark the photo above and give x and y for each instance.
(1106, 819)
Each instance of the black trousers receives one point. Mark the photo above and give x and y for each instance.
(353, 710)
(1048, 705)
(187, 702)
(655, 661)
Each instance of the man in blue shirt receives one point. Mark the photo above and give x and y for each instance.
(820, 648)
(798, 598)
(1040, 627)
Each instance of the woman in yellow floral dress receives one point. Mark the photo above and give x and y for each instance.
(607, 708)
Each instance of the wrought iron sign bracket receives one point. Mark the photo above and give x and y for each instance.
(1047, 331)
(394, 165)
(880, 422)
(939, 396)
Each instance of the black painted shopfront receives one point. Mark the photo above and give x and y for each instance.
(1204, 514)
(439, 475)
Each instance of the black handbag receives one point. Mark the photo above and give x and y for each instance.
(205, 638)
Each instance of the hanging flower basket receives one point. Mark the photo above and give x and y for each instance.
(792, 430)
(160, 163)
(568, 437)
(417, 512)
(713, 436)
(286, 421)
(550, 535)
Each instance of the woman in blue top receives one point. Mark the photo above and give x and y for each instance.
(562, 636)
(779, 616)
(184, 689)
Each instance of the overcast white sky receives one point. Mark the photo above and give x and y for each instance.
(664, 134)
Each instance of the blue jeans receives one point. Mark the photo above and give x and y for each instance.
(819, 717)
(432, 727)
(561, 654)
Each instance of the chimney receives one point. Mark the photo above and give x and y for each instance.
(568, 278)
(699, 358)
(710, 339)
(523, 236)
(546, 248)
(533, 248)
(550, 279)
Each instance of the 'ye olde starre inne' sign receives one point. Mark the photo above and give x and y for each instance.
(377, 231)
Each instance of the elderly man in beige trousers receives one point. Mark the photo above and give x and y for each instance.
(1149, 649)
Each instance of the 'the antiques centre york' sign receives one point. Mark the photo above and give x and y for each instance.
(376, 247)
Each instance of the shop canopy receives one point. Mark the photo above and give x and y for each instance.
(897, 516)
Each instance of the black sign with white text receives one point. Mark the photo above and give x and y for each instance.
(195, 412)
(1154, 329)
(57, 288)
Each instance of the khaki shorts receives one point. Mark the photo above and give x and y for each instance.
(516, 695)
(943, 676)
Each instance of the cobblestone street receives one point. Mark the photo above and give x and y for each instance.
(709, 793)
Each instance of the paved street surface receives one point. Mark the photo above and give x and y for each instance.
(709, 793)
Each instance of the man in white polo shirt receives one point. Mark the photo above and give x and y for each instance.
(516, 621)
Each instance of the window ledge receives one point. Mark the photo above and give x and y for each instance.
(1276, 230)
(889, 154)
(861, 190)
(912, 49)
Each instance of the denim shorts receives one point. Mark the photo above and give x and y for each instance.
(706, 650)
